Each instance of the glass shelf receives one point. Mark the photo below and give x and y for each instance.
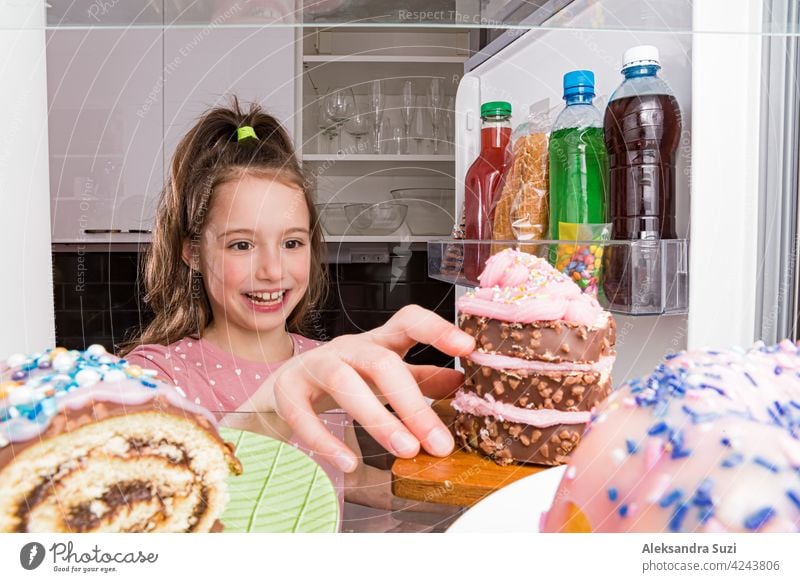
(378, 158)
(632, 277)
(409, 166)
(668, 16)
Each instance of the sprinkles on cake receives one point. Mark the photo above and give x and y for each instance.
(28, 400)
(523, 276)
(759, 519)
(686, 396)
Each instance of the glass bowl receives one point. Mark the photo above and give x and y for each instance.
(375, 219)
(333, 219)
(430, 210)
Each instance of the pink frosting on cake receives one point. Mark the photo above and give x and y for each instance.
(542, 418)
(501, 362)
(519, 287)
(709, 442)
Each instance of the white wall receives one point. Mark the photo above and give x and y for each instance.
(726, 160)
(26, 293)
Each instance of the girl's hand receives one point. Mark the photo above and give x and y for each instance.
(360, 372)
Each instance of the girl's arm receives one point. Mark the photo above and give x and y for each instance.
(359, 373)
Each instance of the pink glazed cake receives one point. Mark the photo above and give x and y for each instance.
(543, 358)
(709, 442)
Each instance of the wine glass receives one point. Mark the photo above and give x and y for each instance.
(398, 143)
(357, 125)
(326, 126)
(435, 103)
(407, 111)
(340, 106)
(386, 136)
(418, 129)
(376, 113)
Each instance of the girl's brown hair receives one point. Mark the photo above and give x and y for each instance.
(208, 156)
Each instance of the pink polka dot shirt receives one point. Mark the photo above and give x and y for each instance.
(209, 375)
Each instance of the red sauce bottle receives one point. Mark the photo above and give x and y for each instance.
(481, 184)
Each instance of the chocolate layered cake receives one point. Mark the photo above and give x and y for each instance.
(543, 359)
(708, 442)
(90, 443)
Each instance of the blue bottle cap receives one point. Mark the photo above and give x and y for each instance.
(579, 83)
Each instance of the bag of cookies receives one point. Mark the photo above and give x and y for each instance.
(521, 211)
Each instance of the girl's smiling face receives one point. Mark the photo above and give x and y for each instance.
(255, 253)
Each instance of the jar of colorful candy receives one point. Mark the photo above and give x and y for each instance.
(582, 261)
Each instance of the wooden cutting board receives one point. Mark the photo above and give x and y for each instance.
(459, 479)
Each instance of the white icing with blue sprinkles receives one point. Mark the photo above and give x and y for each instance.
(693, 397)
(29, 401)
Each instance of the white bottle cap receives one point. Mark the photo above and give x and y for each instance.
(640, 56)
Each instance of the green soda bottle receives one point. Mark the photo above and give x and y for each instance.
(578, 183)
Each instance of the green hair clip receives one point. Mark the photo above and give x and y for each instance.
(245, 132)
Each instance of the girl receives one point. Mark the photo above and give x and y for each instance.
(234, 268)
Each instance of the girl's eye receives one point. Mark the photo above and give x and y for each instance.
(241, 246)
(294, 243)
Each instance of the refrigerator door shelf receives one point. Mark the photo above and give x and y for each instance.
(643, 277)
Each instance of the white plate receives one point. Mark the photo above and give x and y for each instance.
(515, 508)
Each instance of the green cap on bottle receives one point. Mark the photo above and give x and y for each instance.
(496, 109)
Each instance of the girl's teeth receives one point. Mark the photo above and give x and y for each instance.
(266, 297)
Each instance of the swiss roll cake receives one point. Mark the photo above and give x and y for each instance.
(89, 443)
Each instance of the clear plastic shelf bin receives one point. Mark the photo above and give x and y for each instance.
(643, 277)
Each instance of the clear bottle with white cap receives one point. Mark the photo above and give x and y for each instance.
(642, 127)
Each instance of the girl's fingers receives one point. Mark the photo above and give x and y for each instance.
(414, 324)
(390, 374)
(353, 394)
(436, 382)
(294, 406)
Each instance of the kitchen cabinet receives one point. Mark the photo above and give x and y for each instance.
(351, 59)
(105, 95)
(119, 102)
(120, 99)
(204, 67)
